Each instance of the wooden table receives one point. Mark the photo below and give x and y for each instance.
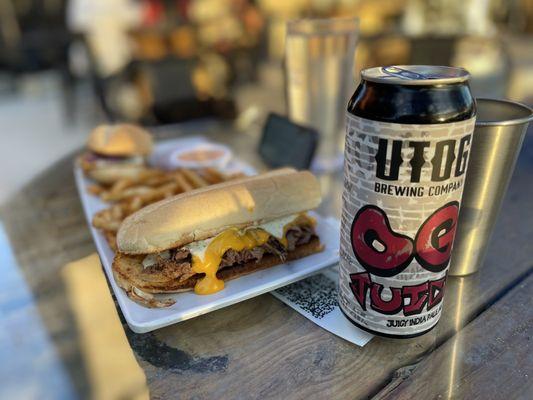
(261, 348)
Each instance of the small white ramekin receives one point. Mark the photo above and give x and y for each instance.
(220, 162)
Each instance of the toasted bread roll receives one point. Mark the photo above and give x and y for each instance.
(205, 212)
(120, 140)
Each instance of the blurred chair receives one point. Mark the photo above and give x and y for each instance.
(432, 50)
(155, 92)
(486, 58)
(34, 38)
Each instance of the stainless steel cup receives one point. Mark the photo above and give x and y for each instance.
(500, 129)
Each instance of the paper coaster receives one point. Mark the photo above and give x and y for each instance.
(316, 299)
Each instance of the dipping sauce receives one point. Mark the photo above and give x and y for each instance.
(201, 155)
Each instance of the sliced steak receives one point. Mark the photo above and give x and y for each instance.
(169, 268)
(178, 266)
(298, 235)
(273, 246)
(181, 255)
(232, 257)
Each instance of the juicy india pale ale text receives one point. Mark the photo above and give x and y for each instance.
(403, 186)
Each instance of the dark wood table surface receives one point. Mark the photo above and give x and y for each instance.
(260, 348)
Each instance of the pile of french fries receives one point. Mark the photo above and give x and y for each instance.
(131, 194)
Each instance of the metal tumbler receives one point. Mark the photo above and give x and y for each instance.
(500, 129)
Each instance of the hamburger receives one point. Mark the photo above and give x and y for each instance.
(198, 240)
(115, 152)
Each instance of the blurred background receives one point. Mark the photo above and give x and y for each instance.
(67, 65)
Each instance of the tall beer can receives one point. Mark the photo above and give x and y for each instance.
(408, 137)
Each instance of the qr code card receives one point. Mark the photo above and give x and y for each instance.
(316, 299)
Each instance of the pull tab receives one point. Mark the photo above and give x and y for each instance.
(403, 73)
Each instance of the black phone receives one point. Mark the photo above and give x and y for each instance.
(286, 144)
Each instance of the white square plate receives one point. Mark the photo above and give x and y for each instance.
(189, 305)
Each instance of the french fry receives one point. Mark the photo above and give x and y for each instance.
(104, 221)
(158, 180)
(213, 176)
(111, 239)
(157, 194)
(95, 189)
(146, 181)
(147, 174)
(180, 180)
(236, 175)
(167, 194)
(134, 204)
(121, 184)
(194, 178)
(116, 212)
(127, 193)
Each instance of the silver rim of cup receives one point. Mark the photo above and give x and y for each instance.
(528, 113)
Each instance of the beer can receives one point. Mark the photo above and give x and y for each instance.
(408, 137)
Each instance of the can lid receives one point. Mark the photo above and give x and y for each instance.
(416, 75)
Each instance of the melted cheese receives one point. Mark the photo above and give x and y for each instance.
(207, 254)
(233, 239)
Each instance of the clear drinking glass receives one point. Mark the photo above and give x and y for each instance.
(319, 56)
